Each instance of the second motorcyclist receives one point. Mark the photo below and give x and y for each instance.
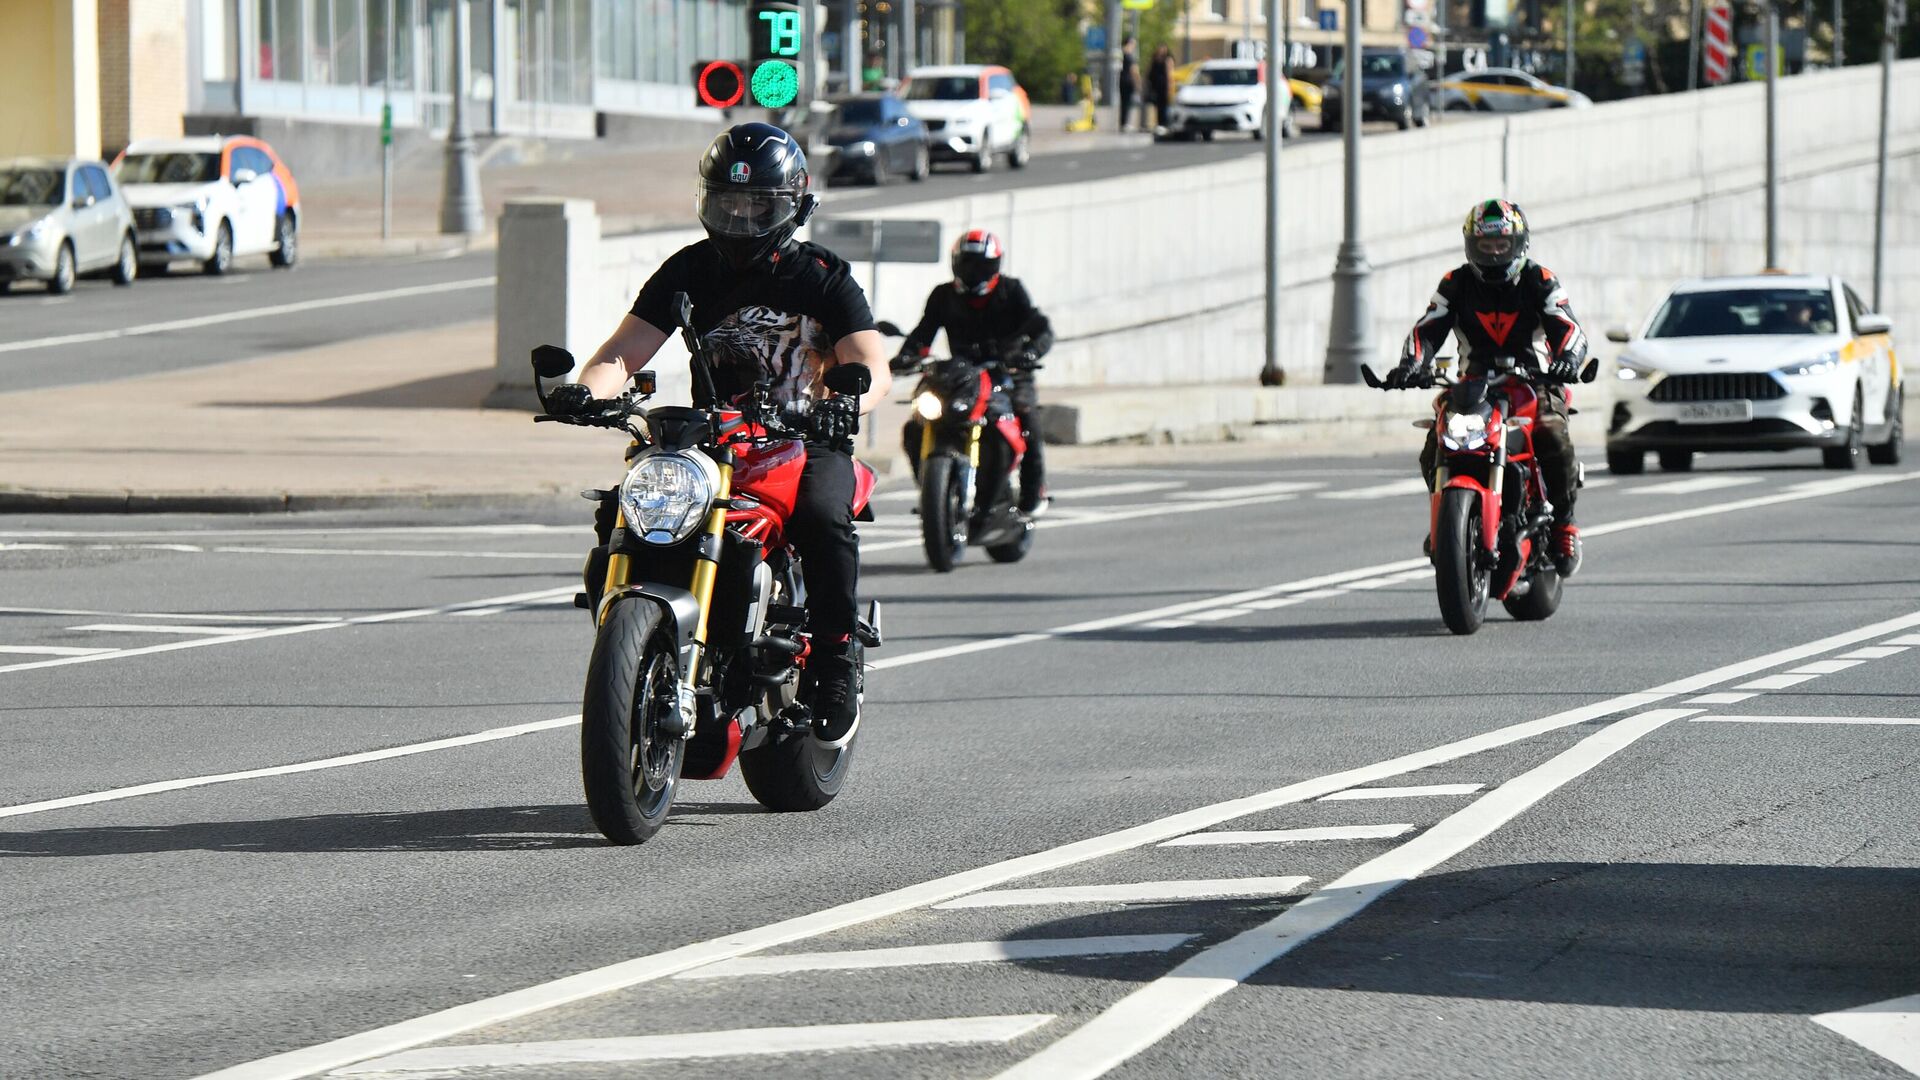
(1502, 303)
(989, 316)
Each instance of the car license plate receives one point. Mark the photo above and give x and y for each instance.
(1716, 412)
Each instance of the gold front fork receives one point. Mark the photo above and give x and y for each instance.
(926, 442)
(619, 567)
(707, 567)
(973, 446)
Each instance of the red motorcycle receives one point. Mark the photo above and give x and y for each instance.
(701, 650)
(1491, 524)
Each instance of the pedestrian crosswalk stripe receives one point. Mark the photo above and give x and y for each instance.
(1290, 836)
(1401, 792)
(965, 952)
(1138, 892)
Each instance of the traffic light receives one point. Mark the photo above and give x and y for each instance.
(769, 77)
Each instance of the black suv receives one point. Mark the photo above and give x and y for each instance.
(1392, 87)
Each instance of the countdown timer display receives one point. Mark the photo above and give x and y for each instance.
(769, 79)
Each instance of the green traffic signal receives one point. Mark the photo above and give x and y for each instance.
(775, 84)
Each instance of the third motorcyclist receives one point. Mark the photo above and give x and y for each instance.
(988, 316)
(1502, 303)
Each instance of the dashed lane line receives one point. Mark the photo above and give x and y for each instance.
(163, 628)
(1138, 892)
(1418, 792)
(1291, 836)
(1735, 718)
(49, 650)
(743, 1042)
(180, 616)
(459, 1019)
(964, 952)
(1694, 486)
(1149, 1014)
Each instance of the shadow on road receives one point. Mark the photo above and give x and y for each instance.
(481, 828)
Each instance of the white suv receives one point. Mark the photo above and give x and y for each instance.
(210, 199)
(972, 112)
(1224, 95)
(1772, 362)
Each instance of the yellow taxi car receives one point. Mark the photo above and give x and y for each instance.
(1506, 90)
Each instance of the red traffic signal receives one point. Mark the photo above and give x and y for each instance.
(719, 84)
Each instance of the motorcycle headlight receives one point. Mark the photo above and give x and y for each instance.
(928, 405)
(665, 496)
(1819, 365)
(1465, 431)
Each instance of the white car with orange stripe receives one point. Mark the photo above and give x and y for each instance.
(1506, 90)
(1770, 362)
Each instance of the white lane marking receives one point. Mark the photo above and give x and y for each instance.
(1272, 603)
(342, 530)
(1218, 613)
(1138, 892)
(1825, 667)
(1693, 486)
(1910, 639)
(180, 616)
(446, 1023)
(1321, 594)
(1735, 718)
(1152, 1012)
(162, 628)
(741, 1042)
(1393, 489)
(1777, 682)
(244, 315)
(1813, 490)
(1873, 652)
(48, 650)
(361, 758)
(1291, 836)
(284, 631)
(1275, 487)
(370, 553)
(1727, 698)
(1888, 1028)
(1137, 487)
(964, 952)
(1416, 792)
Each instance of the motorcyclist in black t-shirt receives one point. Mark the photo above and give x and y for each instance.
(988, 316)
(1501, 303)
(771, 308)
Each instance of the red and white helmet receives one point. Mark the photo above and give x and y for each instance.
(976, 262)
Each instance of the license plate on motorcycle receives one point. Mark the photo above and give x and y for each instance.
(1716, 412)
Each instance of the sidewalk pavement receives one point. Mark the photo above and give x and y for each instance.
(635, 188)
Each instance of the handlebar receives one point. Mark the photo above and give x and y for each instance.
(1426, 379)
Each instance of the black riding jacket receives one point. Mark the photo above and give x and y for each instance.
(1501, 318)
(991, 324)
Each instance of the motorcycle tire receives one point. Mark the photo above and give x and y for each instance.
(1541, 600)
(629, 769)
(796, 774)
(943, 511)
(1461, 584)
(1013, 550)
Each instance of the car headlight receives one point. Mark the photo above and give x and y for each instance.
(32, 232)
(1819, 365)
(862, 148)
(1628, 371)
(1398, 92)
(1465, 431)
(666, 495)
(928, 405)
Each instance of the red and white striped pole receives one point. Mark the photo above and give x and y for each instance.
(1718, 55)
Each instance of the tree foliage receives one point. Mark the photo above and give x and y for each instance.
(1038, 39)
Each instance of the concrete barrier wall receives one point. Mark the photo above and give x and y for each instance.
(1155, 279)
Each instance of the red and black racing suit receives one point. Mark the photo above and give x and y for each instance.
(1509, 317)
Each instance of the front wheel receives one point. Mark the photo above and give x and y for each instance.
(127, 267)
(943, 510)
(1542, 599)
(1022, 152)
(1888, 453)
(922, 164)
(1461, 578)
(629, 766)
(1848, 456)
(286, 243)
(1626, 462)
(61, 283)
(1676, 461)
(221, 260)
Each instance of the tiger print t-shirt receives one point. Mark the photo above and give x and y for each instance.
(779, 322)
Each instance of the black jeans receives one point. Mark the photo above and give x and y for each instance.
(821, 530)
(1552, 446)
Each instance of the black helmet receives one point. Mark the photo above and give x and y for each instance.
(1496, 239)
(753, 192)
(976, 262)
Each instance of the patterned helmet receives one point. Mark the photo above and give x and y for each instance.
(976, 262)
(1496, 240)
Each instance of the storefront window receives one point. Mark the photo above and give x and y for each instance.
(400, 47)
(276, 30)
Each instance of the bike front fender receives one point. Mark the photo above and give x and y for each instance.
(1489, 509)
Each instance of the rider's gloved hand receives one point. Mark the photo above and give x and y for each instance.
(832, 420)
(573, 399)
(1565, 368)
(1025, 360)
(1401, 377)
(903, 363)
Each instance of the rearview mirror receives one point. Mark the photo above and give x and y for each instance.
(849, 379)
(682, 311)
(1618, 334)
(243, 177)
(552, 362)
(888, 329)
(1873, 324)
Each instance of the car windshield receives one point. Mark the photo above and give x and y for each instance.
(860, 113)
(1375, 64)
(1228, 77)
(32, 187)
(944, 88)
(1733, 312)
(175, 168)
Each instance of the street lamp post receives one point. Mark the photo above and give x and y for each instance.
(460, 196)
(1279, 99)
(1894, 18)
(1350, 338)
(1569, 44)
(1773, 135)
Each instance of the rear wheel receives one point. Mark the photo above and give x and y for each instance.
(1626, 462)
(1016, 549)
(1461, 578)
(127, 267)
(629, 766)
(1848, 456)
(1676, 461)
(795, 774)
(1541, 600)
(943, 510)
(1888, 453)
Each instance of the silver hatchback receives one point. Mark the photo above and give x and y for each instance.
(60, 218)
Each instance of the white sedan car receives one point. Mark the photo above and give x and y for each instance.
(1773, 362)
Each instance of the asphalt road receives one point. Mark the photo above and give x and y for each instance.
(1585, 863)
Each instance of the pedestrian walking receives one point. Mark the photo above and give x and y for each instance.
(1129, 80)
(1160, 87)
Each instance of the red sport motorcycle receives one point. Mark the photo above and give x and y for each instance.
(1491, 523)
(700, 652)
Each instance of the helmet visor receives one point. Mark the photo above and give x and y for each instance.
(974, 269)
(1493, 248)
(746, 212)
